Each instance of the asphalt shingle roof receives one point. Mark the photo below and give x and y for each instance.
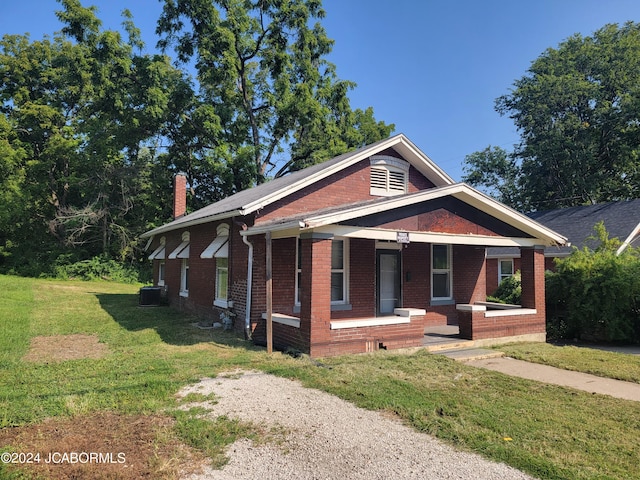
(576, 223)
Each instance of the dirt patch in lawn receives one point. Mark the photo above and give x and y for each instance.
(102, 446)
(58, 348)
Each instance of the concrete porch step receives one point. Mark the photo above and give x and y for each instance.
(468, 354)
(448, 344)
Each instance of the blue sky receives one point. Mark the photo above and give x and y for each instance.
(432, 67)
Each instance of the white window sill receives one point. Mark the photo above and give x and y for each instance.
(184, 293)
(409, 312)
(161, 283)
(504, 312)
(283, 319)
(221, 303)
(511, 313)
(369, 322)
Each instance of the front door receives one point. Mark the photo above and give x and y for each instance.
(388, 281)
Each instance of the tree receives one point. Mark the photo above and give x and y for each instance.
(497, 171)
(261, 67)
(82, 119)
(577, 110)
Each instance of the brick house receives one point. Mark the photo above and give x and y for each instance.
(621, 220)
(361, 252)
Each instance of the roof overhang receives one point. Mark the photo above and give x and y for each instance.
(400, 143)
(535, 233)
(185, 222)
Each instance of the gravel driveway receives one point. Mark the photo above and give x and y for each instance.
(329, 438)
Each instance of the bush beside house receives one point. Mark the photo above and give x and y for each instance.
(595, 294)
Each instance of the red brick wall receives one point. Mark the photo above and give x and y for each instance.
(362, 280)
(284, 275)
(532, 270)
(202, 272)
(469, 281)
(444, 221)
(475, 326)
(366, 339)
(347, 186)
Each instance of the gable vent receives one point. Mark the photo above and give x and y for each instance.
(379, 178)
(388, 176)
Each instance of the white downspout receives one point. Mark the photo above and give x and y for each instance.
(247, 314)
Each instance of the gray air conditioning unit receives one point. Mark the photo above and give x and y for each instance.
(150, 296)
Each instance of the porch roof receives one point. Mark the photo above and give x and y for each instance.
(337, 221)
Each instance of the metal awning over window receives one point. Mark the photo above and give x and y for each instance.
(219, 248)
(183, 249)
(158, 254)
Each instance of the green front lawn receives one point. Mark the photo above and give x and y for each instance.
(548, 431)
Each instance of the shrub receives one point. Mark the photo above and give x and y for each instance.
(509, 290)
(595, 294)
(97, 268)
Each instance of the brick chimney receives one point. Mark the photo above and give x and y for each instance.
(179, 195)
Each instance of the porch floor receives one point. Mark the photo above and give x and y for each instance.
(444, 337)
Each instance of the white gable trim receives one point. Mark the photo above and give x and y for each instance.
(399, 142)
(629, 240)
(541, 234)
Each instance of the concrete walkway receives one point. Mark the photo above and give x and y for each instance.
(557, 376)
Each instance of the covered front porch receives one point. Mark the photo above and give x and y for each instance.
(374, 276)
(353, 294)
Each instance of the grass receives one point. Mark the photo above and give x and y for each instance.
(580, 359)
(555, 433)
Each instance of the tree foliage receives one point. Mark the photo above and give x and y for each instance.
(496, 170)
(262, 69)
(577, 112)
(81, 112)
(92, 130)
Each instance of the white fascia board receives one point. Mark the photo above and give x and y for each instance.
(311, 179)
(282, 230)
(411, 153)
(381, 206)
(634, 233)
(428, 237)
(427, 166)
(508, 215)
(177, 225)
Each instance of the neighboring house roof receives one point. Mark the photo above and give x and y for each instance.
(253, 199)
(621, 220)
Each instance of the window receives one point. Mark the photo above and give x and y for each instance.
(298, 271)
(441, 272)
(161, 274)
(389, 176)
(338, 271)
(222, 281)
(505, 269)
(184, 278)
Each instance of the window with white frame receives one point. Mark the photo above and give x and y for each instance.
(441, 278)
(298, 271)
(505, 269)
(219, 250)
(161, 273)
(339, 273)
(389, 176)
(184, 277)
(222, 281)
